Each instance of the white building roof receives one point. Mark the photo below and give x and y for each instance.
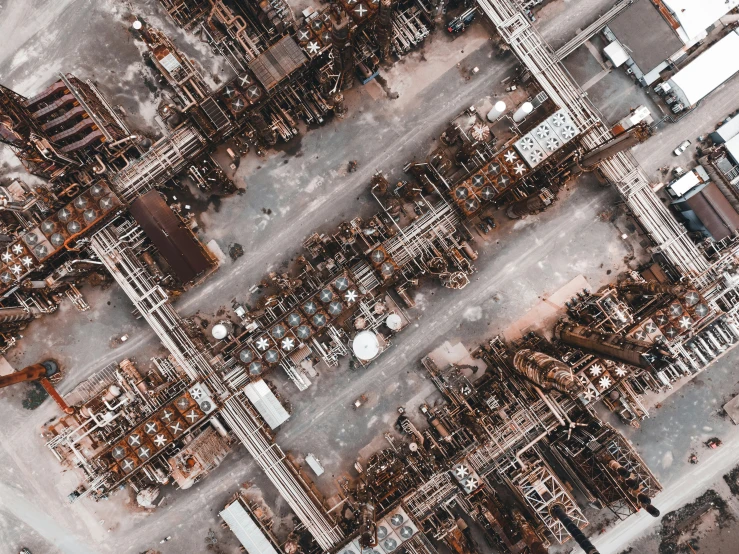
(249, 534)
(266, 403)
(684, 183)
(616, 53)
(695, 16)
(732, 147)
(314, 464)
(709, 70)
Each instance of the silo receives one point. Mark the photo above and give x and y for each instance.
(523, 111)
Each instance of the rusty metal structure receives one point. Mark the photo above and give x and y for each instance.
(503, 449)
(499, 453)
(286, 68)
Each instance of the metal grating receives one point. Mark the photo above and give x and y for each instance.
(214, 113)
(277, 62)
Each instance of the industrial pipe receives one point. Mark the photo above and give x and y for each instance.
(100, 168)
(558, 511)
(38, 372)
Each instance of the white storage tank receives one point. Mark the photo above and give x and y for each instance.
(497, 111)
(221, 330)
(523, 111)
(365, 345)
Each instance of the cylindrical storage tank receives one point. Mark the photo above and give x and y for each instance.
(393, 322)
(498, 110)
(523, 111)
(112, 393)
(221, 330)
(365, 345)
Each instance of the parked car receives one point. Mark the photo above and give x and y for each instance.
(682, 148)
(460, 23)
(713, 442)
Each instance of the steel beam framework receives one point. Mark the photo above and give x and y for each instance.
(115, 248)
(622, 170)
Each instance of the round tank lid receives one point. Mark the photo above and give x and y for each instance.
(500, 106)
(219, 331)
(278, 331)
(393, 322)
(271, 356)
(137, 25)
(493, 169)
(527, 107)
(255, 368)
(365, 346)
(377, 256)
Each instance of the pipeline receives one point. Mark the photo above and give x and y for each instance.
(651, 288)
(558, 511)
(15, 314)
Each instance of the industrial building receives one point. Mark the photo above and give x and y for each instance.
(511, 445)
(649, 37)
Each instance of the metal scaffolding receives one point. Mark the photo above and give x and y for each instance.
(622, 170)
(165, 159)
(114, 247)
(416, 240)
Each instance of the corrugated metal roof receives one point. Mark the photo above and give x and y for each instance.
(709, 70)
(696, 16)
(177, 245)
(714, 210)
(277, 62)
(170, 63)
(266, 403)
(727, 131)
(246, 530)
(647, 37)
